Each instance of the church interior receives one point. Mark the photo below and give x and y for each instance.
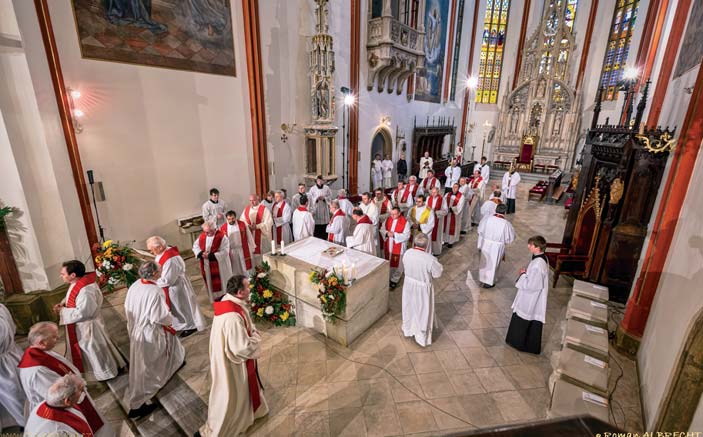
(118, 118)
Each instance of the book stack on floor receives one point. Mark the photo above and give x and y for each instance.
(580, 379)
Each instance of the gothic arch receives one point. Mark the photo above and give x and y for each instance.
(381, 142)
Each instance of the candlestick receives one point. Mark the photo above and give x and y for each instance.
(273, 247)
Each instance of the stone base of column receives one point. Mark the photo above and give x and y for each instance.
(626, 343)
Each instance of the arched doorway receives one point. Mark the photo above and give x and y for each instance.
(382, 144)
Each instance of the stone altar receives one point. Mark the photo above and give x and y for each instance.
(367, 297)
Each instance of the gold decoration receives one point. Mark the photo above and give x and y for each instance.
(528, 140)
(616, 190)
(664, 143)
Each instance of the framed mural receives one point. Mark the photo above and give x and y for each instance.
(190, 35)
(428, 83)
(691, 51)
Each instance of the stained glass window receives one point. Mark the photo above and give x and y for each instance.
(570, 14)
(618, 46)
(495, 26)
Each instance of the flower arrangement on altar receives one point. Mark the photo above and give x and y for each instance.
(115, 263)
(332, 292)
(268, 304)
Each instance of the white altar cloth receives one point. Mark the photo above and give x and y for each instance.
(310, 250)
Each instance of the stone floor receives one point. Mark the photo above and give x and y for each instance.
(385, 384)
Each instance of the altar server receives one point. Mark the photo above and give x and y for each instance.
(41, 367)
(377, 172)
(282, 214)
(211, 248)
(511, 179)
(401, 197)
(466, 192)
(429, 182)
(418, 291)
(425, 165)
(477, 185)
(452, 173)
(87, 344)
(58, 415)
(260, 223)
(438, 205)
(413, 187)
(236, 398)
(530, 304)
(363, 238)
(214, 209)
(11, 393)
(338, 227)
(495, 233)
(422, 219)
(303, 221)
(344, 203)
(320, 197)
(241, 245)
(178, 290)
(452, 220)
(488, 209)
(155, 353)
(295, 201)
(395, 233)
(387, 166)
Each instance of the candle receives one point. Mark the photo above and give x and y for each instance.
(353, 272)
(283, 247)
(345, 275)
(273, 247)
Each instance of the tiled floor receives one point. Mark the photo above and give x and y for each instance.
(385, 384)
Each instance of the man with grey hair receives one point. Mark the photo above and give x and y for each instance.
(155, 353)
(40, 367)
(212, 249)
(320, 196)
(338, 227)
(346, 206)
(282, 215)
(413, 187)
(178, 290)
(11, 394)
(420, 269)
(59, 415)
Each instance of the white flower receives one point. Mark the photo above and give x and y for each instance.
(107, 264)
(269, 310)
(113, 281)
(127, 267)
(261, 275)
(98, 273)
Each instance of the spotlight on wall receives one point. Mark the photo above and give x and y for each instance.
(386, 121)
(76, 113)
(630, 73)
(472, 82)
(349, 98)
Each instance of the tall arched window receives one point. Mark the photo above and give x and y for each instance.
(495, 27)
(618, 47)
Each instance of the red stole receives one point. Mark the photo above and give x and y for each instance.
(475, 182)
(452, 221)
(408, 191)
(393, 253)
(279, 229)
(302, 208)
(76, 357)
(257, 231)
(167, 329)
(384, 207)
(66, 417)
(227, 306)
(434, 204)
(167, 255)
(365, 220)
(428, 183)
(34, 357)
(337, 213)
(244, 240)
(214, 266)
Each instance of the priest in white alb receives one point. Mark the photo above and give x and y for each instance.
(401, 197)
(180, 294)
(429, 182)
(421, 268)
(320, 197)
(530, 304)
(436, 203)
(495, 233)
(452, 221)
(477, 185)
(303, 221)
(338, 227)
(488, 209)
(211, 249)
(422, 219)
(88, 345)
(368, 207)
(260, 223)
(58, 414)
(282, 214)
(41, 367)
(511, 179)
(295, 201)
(363, 238)
(387, 166)
(467, 193)
(241, 244)
(383, 208)
(236, 398)
(155, 353)
(11, 393)
(214, 208)
(377, 172)
(395, 233)
(425, 165)
(413, 187)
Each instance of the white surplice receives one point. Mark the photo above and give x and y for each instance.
(303, 224)
(339, 226)
(223, 262)
(415, 216)
(387, 166)
(425, 164)
(453, 174)
(377, 173)
(348, 207)
(282, 223)
(510, 183)
(495, 232)
(40, 427)
(418, 294)
(467, 192)
(184, 304)
(488, 209)
(237, 258)
(363, 238)
(101, 359)
(456, 212)
(154, 353)
(388, 241)
(229, 407)
(11, 393)
(295, 201)
(371, 211)
(397, 199)
(265, 227)
(211, 209)
(532, 289)
(477, 186)
(484, 169)
(429, 183)
(319, 202)
(440, 209)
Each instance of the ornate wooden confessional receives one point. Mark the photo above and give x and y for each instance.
(618, 184)
(430, 138)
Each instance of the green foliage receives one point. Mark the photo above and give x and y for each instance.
(267, 303)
